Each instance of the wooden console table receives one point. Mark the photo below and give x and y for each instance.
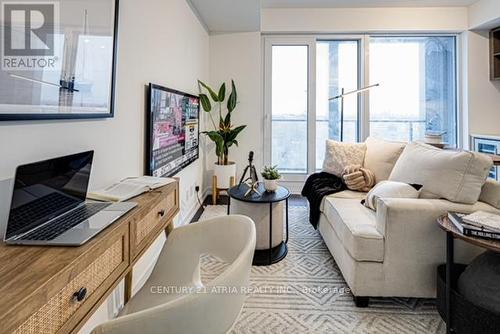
(56, 289)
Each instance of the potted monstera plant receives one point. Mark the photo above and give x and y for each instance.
(224, 133)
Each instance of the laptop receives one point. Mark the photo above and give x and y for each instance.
(49, 204)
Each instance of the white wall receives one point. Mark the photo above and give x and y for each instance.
(159, 41)
(484, 14)
(483, 94)
(345, 20)
(238, 56)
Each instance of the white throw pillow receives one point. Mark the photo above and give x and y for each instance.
(391, 189)
(381, 156)
(339, 155)
(457, 176)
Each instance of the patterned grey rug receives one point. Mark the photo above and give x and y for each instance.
(306, 293)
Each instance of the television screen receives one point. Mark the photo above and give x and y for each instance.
(172, 141)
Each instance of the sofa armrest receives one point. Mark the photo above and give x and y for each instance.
(414, 244)
(407, 211)
(410, 228)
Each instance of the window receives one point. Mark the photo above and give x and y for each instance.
(336, 69)
(289, 107)
(417, 93)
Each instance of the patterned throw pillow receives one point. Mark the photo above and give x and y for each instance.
(339, 155)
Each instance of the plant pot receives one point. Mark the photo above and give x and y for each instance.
(224, 174)
(271, 185)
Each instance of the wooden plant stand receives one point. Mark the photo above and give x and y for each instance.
(216, 190)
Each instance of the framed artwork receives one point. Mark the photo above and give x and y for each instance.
(58, 59)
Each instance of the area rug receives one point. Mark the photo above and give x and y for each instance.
(306, 293)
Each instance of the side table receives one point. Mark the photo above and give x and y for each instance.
(453, 233)
(275, 254)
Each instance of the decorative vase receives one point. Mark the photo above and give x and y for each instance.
(225, 174)
(271, 185)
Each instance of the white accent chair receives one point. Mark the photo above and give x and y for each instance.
(229, 238)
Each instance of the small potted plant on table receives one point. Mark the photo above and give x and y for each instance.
(271, 177)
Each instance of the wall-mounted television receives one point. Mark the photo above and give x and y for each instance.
(172, 130)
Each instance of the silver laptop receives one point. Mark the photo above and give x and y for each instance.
(49, 204)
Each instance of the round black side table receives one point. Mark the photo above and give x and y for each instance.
(273, 254)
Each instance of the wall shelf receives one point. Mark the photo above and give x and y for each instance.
(495, 54)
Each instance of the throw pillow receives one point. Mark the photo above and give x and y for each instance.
(391, 189)
(457, 176)
(339, 155)
(381, 156)
(358, 178)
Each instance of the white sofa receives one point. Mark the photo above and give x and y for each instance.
(394, 252)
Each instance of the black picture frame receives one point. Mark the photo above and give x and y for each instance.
(73, 116)
(148, 156)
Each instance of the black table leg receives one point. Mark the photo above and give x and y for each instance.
(449, 265)
(228, 205)
(270, 233)
(286, 242)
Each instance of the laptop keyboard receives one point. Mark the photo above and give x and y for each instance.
(60, 225)
(38, 209)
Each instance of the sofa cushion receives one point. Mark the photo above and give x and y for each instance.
(355, 226)
(491, 193)
(457, 176)
(348, 194)
(339, 155)
(381, 156)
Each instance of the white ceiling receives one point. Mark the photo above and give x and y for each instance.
(244, 15)
(228, 15)
(363, 3)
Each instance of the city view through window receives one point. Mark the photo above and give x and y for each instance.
(417, 94)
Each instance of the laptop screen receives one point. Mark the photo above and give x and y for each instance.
(43, 190)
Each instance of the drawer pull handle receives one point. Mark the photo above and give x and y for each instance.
(161, 213)
(79, 295)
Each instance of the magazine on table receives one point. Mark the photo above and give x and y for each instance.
(129, 188)
(483, 219)
(467, 229)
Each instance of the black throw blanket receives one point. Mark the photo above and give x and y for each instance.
(318, 186)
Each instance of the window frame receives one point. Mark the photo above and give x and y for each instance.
(269, 40)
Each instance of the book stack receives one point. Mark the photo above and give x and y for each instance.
(480, 224)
